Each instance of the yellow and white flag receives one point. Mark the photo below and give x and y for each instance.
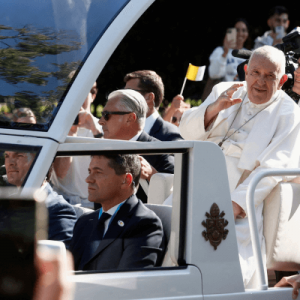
(195, 73)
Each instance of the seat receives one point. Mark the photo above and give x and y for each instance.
(164, 212)
(281, 223)
(160, 188)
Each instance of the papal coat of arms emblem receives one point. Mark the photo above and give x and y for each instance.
(215, 226)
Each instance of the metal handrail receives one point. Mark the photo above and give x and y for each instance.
(252, 219)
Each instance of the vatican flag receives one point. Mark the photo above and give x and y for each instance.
(195, 73)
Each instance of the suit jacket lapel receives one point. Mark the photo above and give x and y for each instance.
(89, 247)
(143, 137)
(114, 230)
(156, 126)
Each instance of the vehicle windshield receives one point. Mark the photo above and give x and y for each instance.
(43, 44)
(16, 163)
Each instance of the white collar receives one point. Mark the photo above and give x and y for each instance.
(136, 136)
(112, 210)
(150, 121)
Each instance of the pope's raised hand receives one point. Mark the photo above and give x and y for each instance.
(225, 100)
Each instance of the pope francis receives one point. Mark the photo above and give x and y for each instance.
(257, 126)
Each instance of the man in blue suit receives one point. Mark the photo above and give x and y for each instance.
(123, 233)
(61, 214)
(150, 85)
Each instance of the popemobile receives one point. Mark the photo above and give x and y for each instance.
(38, 52)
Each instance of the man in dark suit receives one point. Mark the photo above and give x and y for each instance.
(123, 118)
(61, 215)
(123, 233)
(150, 85)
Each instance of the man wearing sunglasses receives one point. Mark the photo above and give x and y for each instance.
(150, 85)
(123, 118)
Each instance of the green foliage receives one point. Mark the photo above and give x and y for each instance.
(193, 102)
(4, 109)
(96, 111)
(99, 111)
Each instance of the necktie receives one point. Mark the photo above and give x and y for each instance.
(94, 241)
(100, 226)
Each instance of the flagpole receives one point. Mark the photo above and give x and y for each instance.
(183, 86)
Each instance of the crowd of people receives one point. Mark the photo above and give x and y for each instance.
(255, 123)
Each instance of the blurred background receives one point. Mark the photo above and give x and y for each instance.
(172, 34)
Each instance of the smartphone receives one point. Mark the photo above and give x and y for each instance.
(22, 222)
(231, 35)
(279, 30)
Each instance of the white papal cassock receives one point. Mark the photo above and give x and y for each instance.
(270, 140)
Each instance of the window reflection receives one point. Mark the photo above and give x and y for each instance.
(41, 42)
(16, 163)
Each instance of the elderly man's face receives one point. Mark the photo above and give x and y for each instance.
(115, 127)
(103, 182)
(17, 165)
(263, 79)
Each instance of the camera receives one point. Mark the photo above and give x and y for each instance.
(291, 48)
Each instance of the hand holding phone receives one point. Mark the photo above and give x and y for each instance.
(231, 37)
(54, 266)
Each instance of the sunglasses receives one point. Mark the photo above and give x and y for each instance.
(105, 114)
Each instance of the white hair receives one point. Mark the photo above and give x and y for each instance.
(132, 101)
(272, 54)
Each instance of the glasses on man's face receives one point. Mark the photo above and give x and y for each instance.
(105, 113)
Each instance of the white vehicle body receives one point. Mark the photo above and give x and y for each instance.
(198, 271)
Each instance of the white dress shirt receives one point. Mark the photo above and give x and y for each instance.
(150, 121)
(111, 212)
(134, 139)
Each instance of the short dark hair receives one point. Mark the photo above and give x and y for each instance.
(125, 163)
(150, 82)
(278, 10)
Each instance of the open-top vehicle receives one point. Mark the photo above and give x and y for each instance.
(38, 53)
